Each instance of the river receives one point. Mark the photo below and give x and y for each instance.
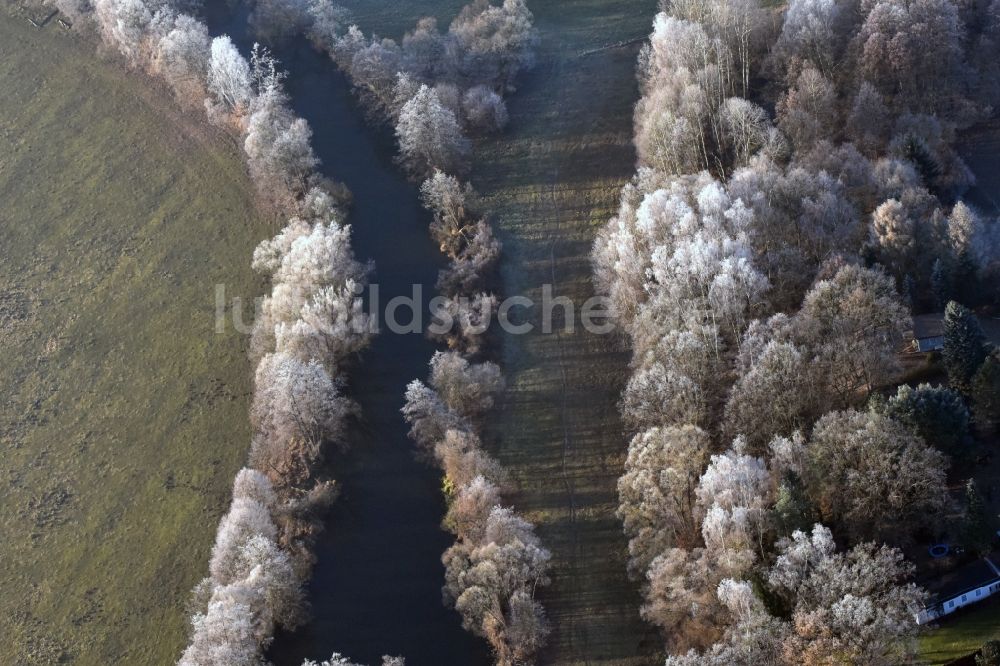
(376, 588)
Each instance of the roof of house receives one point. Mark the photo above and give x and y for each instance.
(928, 326)
(991, 326)
(958, 581)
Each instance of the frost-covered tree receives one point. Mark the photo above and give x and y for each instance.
(873, 476)
(734, 494)
(296, 408)
(684, 248)
(252, 586)
(809, 34)
(754, 638)
(484, 110)
(802, 215)
(310, 256)
(685, 78)
(327, 22)
(681, 597)
(854, 605)
(854, 321)
(967, 237)
(471, 505)
(657, 395)
(314, 273)
(338, 659)
(331, 326)
(868, 119)
(261, 559)
(429, 417)
(182, 57)
(747, 127)
(304, 260)
(656, 494)
(428, 55)
(462, 459)
(808, 111)
(229, 79)
(462, 321)
(450, 202)
(246, 519)
(429, 135)
(895, 235)
(251, 484)
(776, 396)
(472, 266)
(374, 69)
(467, 388)
(913, 51)
(127, 24)
(277, 143)
(491, 582)
(739, 27)
(229, 632)
(495, 41)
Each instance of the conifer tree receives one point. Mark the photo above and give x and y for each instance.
(979, 526)
(964, 345)
(986, 392)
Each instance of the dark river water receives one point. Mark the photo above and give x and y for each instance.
(376, 587)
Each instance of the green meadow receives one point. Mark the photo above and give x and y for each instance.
(123, 414)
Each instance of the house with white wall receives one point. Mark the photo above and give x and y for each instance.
(964, 586)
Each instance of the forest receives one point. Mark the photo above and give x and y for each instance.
(787, 451)
(798, 200)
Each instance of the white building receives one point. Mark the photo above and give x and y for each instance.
(966, 585)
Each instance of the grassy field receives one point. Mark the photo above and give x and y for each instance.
(551, 180)
(123, 415)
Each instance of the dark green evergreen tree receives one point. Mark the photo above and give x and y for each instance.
(979, 525)
(964, 283)
(938, 414)
(940, 284)
(986, 392)
(964, 345)
(910, 293)
(916, 150)
(792, 509)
